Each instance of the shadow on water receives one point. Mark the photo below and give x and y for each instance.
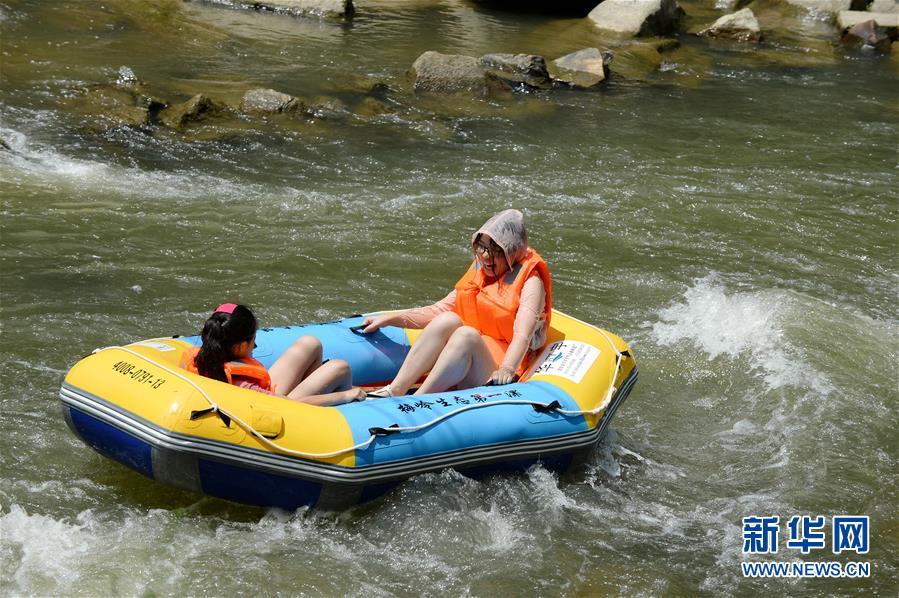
(560, 8)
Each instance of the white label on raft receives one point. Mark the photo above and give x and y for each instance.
(157, 346)
(569, 359)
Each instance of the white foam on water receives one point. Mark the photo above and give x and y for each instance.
(36, 164)
(502, 535)
(737, 324)
(45, 550)
(547, 493)
(38, 367)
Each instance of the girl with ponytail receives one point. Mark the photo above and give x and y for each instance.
(229, 337)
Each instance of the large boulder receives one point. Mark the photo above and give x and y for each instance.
(448, 73)
(269, 101)
(884, 6)
(741, 25)
(823, 6)
(584, 69)
(195, 109)
(848, 18)
(638, 17)
(518, 71)
(326, 9)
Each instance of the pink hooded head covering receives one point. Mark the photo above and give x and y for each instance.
(507, 230)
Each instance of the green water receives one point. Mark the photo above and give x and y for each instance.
(732, 216)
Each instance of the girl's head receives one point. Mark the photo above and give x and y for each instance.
(228, 334)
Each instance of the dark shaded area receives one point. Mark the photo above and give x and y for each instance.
(565, 8)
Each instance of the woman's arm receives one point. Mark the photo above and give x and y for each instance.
(417, 317)
(528, 329)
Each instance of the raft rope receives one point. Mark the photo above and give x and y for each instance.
(553, 406)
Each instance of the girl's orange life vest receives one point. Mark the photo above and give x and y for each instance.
(489, 305)
(248, 368)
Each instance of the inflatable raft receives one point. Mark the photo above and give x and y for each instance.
(134, 404)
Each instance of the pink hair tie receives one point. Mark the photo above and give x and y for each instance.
(225, 308)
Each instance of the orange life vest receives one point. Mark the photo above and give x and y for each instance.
(248, 368)
(490, 305)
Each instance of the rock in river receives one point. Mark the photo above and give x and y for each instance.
(583, 69)
(823, 6)
(848, 18)
(326, 9)
(637, 17)
(868, 35)
(741, 25)
(884, 6)
(517, 70)
(447, 73)
(193, 110)
(269, 101)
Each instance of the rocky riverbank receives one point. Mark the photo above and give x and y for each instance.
(629, 41)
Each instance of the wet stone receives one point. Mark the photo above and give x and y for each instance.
(126, 77)
(638, 17)
(195, 109)
(269, 101)
(448, 73)
(639, 60)
(517, 70)
(372, 107)
(324, 9)
(823, 6)
(128, 117)
(325, 107)
(868, 35)
(583, 69)
(848, 18)
(888, 6)
(741, 25)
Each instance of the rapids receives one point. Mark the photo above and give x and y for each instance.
(733, 217)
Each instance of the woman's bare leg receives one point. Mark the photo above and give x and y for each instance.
(297, 363)
(464, 362)
(425, 351)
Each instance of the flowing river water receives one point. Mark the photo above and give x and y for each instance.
(733, 217)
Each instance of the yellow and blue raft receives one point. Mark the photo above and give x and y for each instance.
(135, 405)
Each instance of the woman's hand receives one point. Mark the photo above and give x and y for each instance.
(373, 323)
(504, 375)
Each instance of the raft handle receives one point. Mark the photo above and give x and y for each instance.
(201, 412)
(547, 408)
(391, 429)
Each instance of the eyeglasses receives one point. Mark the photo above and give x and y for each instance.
(485, 250)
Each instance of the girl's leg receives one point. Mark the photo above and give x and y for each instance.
(297, 363)
(425, 351)
(333, 376)
(464, 362)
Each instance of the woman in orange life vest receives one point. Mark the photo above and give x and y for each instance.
(485, 328)
(229, 336)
